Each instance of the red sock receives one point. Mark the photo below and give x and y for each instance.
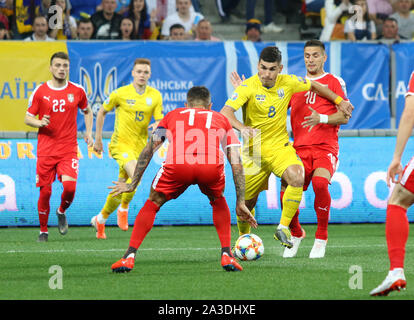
(43, 206)
(295, 227)
(396, 232)
(222, 221)
(322, 206)
(69, 188)
(143, 223)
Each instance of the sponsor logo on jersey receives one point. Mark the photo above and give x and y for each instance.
(71, 97)
(260, 97)
(130, 101)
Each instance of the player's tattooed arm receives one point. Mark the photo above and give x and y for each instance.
(155, 141)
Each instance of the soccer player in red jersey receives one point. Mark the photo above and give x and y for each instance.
(195, 134)
(402, 197)
(56, 103)
(315, 124)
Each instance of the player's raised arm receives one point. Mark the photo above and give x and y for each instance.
(155, 141)
(345, 106)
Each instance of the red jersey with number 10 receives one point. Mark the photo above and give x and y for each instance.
(195, 136)
(321, 134)
(60, 136)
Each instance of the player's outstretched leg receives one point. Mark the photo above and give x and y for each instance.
(396, 232)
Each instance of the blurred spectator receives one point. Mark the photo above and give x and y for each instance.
(40, 28)
(85, 29)
(314, 5)
(144, 23)
(253, 31)
(164, 8)
(4, 20)
(405, 18)
(122, 6)
(127, 29)
(225, 8)
(335, 12)
(390, 30)
(184, 16)
(269, 25)
(4, 33)
(64, 28)
(24, 12)
(84, 8)
(106, 22)
(177, 32)
(204, 31)
(361, 28)
(379, 10)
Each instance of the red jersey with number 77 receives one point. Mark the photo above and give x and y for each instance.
(322, 134)
(195, 136)
(62, 104)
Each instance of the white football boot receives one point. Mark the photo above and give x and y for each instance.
(395, 280)
(291, 252)
(318, 249)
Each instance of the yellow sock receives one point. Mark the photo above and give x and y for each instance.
(110, 205)
(126, 199)
(244, 226)
(291, 201)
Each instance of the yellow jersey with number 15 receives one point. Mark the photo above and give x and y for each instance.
(266, 108)
(133, 112)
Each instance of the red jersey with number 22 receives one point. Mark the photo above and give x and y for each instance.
(325, 135)
(60, 136)
(195, 136)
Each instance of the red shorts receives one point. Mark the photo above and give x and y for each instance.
(48, 167)
(407, 178)
(316, 157)
(173, 179)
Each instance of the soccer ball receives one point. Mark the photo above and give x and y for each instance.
(248, 247)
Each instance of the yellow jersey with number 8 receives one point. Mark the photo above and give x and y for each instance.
(266, 108)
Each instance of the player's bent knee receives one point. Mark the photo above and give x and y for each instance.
(46, 191)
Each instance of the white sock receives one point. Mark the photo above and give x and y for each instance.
(131, 255)
(281, 226)
(58, 211)
(122, 209)
(100, 218)
(397, 271)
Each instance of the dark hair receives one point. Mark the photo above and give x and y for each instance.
(60, 55)
(144, 16)
(198, 94)
(391, 19)
(314, 43)
(84, 20)
(271, 54)
(176, 26)
(133, 34)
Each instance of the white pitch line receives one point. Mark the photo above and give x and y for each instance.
(168, 249)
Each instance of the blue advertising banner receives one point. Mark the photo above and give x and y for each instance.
(359, 192)
(404, 66)
(101, 67)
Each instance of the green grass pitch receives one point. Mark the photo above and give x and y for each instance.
(183, 263)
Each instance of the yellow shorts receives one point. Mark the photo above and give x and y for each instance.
(257, 171)
(122, 156)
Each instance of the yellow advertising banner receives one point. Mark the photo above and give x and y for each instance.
(24, 65)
